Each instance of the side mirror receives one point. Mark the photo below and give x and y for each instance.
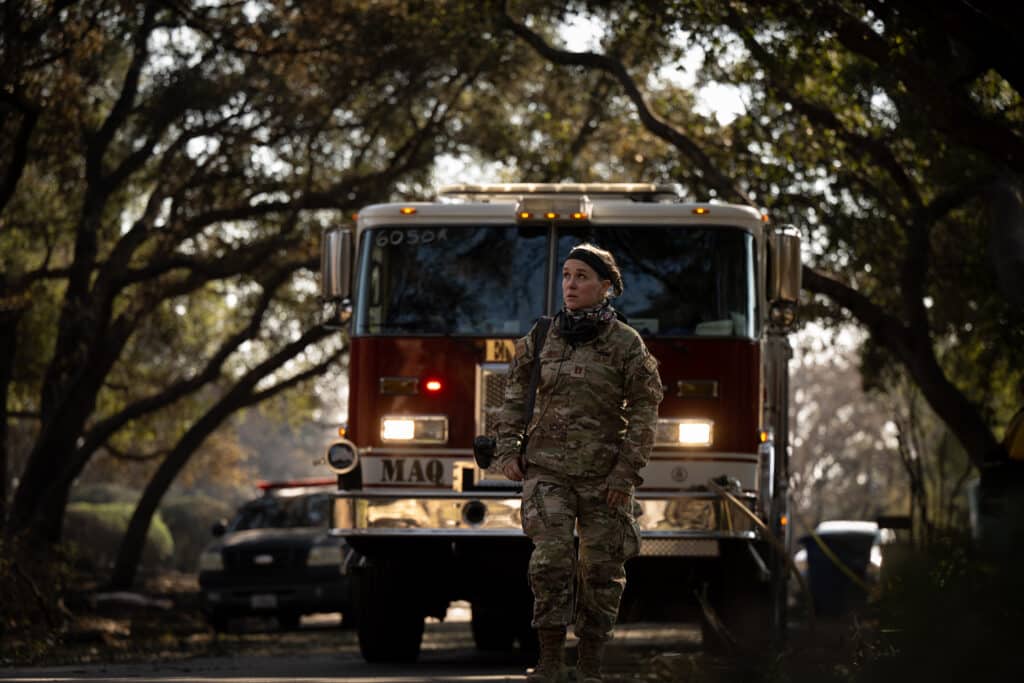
(336, 273)
(784, 274)
(336, 264)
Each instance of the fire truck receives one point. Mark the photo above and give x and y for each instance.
(432, 296)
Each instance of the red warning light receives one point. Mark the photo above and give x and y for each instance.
(433, 386)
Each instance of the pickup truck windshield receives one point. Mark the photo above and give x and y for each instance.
(273, 512)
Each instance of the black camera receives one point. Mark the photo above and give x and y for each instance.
(483, 451)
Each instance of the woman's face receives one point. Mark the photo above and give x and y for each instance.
(581, 287)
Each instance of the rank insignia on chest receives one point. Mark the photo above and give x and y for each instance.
(578, 370)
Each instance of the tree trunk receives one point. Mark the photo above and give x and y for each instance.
(8, 344)
(130, 552)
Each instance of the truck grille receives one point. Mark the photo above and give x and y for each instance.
(490, 392)
(262, 560)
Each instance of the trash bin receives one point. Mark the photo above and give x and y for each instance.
(833, 592)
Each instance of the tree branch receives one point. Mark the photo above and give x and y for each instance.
(656, 125)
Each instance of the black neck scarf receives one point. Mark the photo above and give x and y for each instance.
(583, 325)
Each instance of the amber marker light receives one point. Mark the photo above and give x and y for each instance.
(784, 520)
(432, 386)
(764, 218)
(551, 215)
(342, 431)
(702, 210)
(525, 215)
(578, 215)
(763, 436)
(408, 210)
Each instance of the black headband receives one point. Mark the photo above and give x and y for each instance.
(592, 260)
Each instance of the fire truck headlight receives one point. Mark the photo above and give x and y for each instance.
(414, 429)
(684, 432)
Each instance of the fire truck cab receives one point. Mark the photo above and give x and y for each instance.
(434, 294)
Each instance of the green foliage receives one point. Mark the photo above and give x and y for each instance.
(95, 531)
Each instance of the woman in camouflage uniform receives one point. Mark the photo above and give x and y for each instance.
(591, 433)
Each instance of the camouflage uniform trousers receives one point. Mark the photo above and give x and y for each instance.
(609, 536)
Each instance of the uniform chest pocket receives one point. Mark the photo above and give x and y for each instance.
(594, 368)
(552, 364)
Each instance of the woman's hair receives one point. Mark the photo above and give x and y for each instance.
(602, 262)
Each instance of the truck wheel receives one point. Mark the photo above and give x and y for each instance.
(218, 621)
(289, 621)
(390, 625)
(493, 628)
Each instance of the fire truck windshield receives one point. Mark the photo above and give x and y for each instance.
(490, 280)
(679, 281)
(451, 280)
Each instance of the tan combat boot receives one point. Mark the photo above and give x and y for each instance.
(551, 664)
(588, 663)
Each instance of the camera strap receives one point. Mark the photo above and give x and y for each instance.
(540, 335)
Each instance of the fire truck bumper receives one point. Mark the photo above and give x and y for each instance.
(690, 524)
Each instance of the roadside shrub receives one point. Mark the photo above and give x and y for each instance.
(104, 493)
(95, 530)
(189, 518)
(948, 613)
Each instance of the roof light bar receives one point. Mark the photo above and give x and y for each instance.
(644, 191)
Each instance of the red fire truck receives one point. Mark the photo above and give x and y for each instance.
(433, 295)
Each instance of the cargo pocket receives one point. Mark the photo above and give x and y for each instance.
(631, 541)
(534, 516)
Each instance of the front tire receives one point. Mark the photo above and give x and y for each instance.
(289, 621)
(390, 624)
(493, 629)
(219, 622)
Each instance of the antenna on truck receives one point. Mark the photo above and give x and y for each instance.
(637, 192)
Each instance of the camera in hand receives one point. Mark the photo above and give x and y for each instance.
(483, 451)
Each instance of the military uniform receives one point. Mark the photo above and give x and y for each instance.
(592, 429)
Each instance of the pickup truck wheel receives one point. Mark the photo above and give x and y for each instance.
(389, 625)
(493, 628)
(219, 622)
(289, 621)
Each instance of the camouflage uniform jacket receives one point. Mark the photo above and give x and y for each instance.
(596, 409)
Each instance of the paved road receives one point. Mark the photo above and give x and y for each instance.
(323, 653)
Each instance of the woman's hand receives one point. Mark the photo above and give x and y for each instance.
(512, 470)
(617, 498)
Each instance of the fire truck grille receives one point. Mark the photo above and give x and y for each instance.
(492, 380)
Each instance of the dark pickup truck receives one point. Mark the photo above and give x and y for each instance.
(276, 558)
